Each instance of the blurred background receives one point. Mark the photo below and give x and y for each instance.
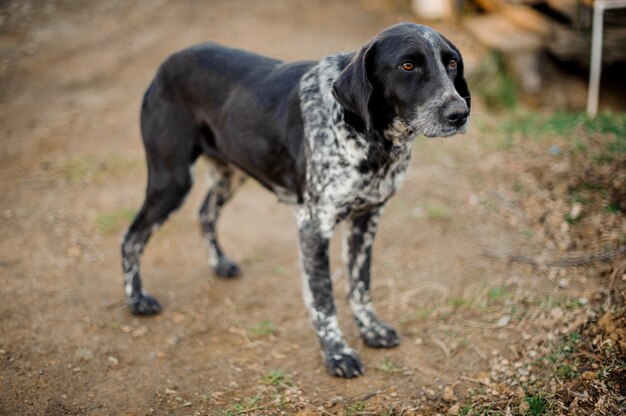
(500, 261)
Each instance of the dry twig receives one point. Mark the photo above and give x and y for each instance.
(566, 262)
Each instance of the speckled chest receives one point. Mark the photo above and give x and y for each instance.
(336, 186)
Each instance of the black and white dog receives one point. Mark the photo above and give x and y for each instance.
(332, 137)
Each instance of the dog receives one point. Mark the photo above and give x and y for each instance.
(332, 137)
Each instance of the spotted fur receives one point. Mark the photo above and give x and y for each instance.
(333, 137)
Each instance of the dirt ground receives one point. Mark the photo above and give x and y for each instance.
(72, 173)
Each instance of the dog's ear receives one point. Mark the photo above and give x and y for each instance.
(353, 88)
(460, 84)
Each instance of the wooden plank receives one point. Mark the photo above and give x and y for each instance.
(496, 31)
(567, 8)
(528, 19)
(570, 44)
(489, 5)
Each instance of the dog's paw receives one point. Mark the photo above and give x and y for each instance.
(345, 364)
(144, 304)
(227, 268)
(381, 336)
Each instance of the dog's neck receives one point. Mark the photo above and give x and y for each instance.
(398, 131)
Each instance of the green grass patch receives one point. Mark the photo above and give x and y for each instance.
(248, 405)
(538, 405)
(561, 123)
(78, 169)
(471, 409)
(114, 221)
(262, 329)
(612, 208)
(255, 257)
(496, 294)
(576, 128)
(277, 378)
(88, 168)
(493, 82)
(438, 212)
(566, 302)
(388, 366)
(457, 303)
(355, 408)
(417, 315)
(279, 270)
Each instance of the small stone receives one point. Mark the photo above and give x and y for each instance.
(418, 212)
(589, 375)
(454, 410)
(307, 412)
(556, 313)
(576, 210)
(73, 251)
(483, 377)
(140, 332)
(555, 150)
(75, 369)
(170, 391)
(172, 341)
(113, 362)
(84, 354)
(504, 320)
(448, 394)
(523, 408)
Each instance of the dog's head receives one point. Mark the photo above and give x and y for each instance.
(408, 72)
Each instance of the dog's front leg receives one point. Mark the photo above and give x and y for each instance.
(341, 360)
(358, 256)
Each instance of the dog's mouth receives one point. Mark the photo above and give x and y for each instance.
(434, 121)
(440, 129)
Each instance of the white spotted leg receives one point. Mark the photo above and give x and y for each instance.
(166, 192)
(220, 191)
(341, 360)
(358, 257)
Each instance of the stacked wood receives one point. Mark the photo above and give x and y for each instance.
(562, 27)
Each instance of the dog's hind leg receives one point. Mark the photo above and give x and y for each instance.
(358, 255)
(164, 195)
(220, 191)
(170, 142)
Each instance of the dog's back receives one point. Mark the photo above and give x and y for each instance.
(238, 107)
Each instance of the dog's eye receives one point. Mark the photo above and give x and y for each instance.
(452, 64)
(407, 66)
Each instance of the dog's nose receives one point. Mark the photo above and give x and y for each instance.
(456, 113)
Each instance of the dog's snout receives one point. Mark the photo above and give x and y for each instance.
(456, 112)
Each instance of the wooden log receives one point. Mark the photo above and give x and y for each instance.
(496, 31)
